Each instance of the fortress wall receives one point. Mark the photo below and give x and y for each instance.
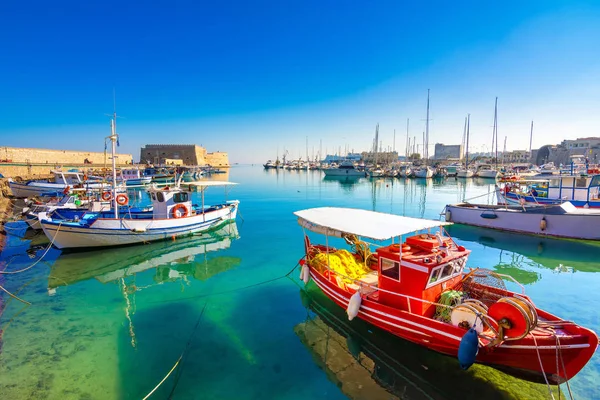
(48, 156)
(157, 153)
(217, 159)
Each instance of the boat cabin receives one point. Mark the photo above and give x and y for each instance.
(583, 188)
(170, 203)
(131, 173)
(421, 268)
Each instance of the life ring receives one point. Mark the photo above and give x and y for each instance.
(67, 190)
(106, 196)
(175, 214)
(122, 199)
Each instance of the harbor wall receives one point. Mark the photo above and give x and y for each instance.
(217, 159)
(190, 154)
(49, 156)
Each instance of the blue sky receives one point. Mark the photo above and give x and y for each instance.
(251, 77)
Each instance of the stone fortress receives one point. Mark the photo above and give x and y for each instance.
(189, 154)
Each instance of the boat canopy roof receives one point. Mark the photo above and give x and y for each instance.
(210, 183)
(335, 221)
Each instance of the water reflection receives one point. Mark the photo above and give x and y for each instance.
(368, 363)
(545, 252)
(347, 183)
(173, 261)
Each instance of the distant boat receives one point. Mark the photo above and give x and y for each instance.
(134, 177)
(486, 171)
(63, 181)
(423, 172)
(346, 168)
(466, 172)
(270, 165)
(563, 220)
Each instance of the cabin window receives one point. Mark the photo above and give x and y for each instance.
(567, 182)
(581, 182)
(153, 196)
(390, 268)
(160, 197)
(446, 271)
(434, 275)
(180, 197)
(595, 181)
(555, 182)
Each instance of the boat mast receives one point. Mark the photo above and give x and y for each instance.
(113, 139)
(426, 144)
(496, 130)
(407, 140)
(530, 138)
(462, 153)
(467, 149)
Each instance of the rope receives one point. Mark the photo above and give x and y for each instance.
(231, 290)
(39, 259)
(563, 365)
(183, 353)
(542, 367)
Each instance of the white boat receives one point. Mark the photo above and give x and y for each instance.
(68, 202)
(423, 172)
(63, 181)
(376, 173)
(563, 220)
(486, 171)
(134, 177)
(346, 168)
(172, 215)
(464, 173)
(405, 171)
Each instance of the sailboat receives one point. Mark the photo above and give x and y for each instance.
(486, 170)
(425, 171)
(466, 172)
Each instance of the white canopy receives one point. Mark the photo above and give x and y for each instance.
(334, 221)
(209, 183)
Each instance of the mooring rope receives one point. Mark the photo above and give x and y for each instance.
(231, 290)
(179, 360)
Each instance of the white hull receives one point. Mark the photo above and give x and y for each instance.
(488, 174)
(464, 174)
(117, 232)
(560, 221)
(343, 172)
(33, 188)
(424, 173)
(138, 181)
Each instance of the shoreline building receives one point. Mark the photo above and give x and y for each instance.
(185, 154)
(588, 147)
(448, 151)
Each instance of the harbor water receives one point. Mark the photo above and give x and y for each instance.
(218, 315)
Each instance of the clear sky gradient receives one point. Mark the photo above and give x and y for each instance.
(252, 77)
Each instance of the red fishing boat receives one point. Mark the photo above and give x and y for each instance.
(418, 289)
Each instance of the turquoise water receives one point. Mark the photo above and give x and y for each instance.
(111, 324)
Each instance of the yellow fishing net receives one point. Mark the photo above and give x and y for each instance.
(342, 262)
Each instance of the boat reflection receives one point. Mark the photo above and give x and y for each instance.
(368, 363)
(172, 260)
(579, 255)
(345, 182)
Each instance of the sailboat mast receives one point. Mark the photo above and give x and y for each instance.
(407, 140)
(530, 138)
(462, 153)
(113, 139)
(426, 144)
(467, 149)
(496, 130)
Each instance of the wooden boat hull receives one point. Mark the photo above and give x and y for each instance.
(544, 221)
(117, 232)
(575, 350)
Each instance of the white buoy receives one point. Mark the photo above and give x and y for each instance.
(353, 306)
(305, 274)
